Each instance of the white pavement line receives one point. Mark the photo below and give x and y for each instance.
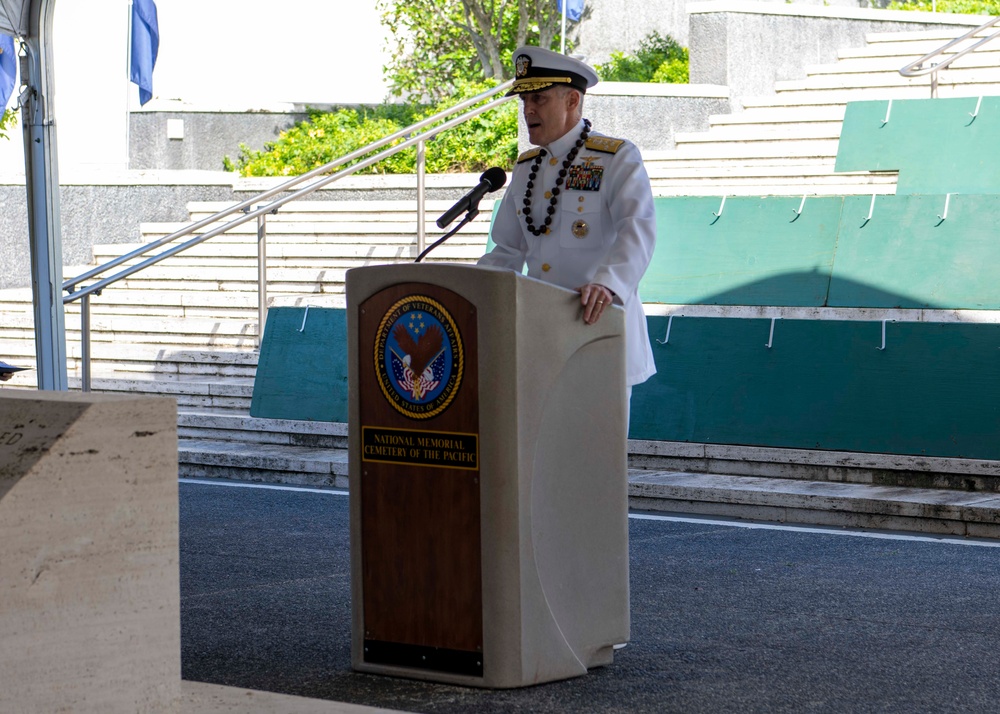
(820, 531)
(264, 486)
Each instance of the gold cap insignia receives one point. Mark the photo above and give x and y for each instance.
(522, 64)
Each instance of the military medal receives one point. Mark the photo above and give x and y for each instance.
(585, 176)
(580, 229)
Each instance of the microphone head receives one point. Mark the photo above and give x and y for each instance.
(495, 177)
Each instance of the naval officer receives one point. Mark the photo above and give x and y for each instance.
(579, 208)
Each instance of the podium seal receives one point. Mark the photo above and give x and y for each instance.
(419, 357)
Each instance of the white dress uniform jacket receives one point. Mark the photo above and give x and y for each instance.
(603, 230)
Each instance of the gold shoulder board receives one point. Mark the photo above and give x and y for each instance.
(605, 144)
(528, 155)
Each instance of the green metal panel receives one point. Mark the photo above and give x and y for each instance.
(302, 371)
(490, 245)
(934, 390)
(759, 251)
(906, 256)
(935, 144)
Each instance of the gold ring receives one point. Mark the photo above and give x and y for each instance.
(600, 302)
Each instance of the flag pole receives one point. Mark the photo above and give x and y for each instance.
(128, 87)
(563, 38)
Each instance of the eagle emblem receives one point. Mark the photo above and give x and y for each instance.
(522, 64)
(419, 357)
(419, 369)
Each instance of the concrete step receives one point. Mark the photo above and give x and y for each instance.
(777, 131)
(981, 58)
(881, 44)
(938, 511)
(191, 392)
(927, 510)
(315, 231)
(304, 255)
(349, 210)
(823, 97)
(263, 463)
(800, 174)
(951, 76)
(938, 36)
(667, 189)
(767, 115)
(216, 426)
(782, 151)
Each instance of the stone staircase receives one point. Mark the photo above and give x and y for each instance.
(187, 328)
(786, 144)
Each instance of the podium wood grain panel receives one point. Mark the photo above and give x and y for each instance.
(420, 523)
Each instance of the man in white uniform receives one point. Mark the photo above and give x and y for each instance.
(579, 208)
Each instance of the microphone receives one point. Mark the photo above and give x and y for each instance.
(491, 180)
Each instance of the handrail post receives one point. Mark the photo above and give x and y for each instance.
(934, 84)
(421, 195)
(261, 276)
(85, 343)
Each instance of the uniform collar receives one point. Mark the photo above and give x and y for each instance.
(562, 145)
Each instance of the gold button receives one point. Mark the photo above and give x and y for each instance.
(580, 209)
(548, 194)
(546, 267)
(581, 199)
(553, 161)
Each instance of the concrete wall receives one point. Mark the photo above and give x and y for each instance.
(620, 25)
(748, 46)
(200, 139)
(98, 212)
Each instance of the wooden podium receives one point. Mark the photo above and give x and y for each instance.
(487, 448)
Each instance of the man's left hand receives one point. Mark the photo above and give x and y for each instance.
(594, 299)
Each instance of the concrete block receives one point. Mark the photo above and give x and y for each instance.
(89, 577)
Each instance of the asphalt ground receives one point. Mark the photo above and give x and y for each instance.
(726, 617)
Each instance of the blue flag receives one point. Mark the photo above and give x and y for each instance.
(8, 69)
(574, 9)
(145, 45)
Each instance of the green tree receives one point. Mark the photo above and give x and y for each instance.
(436, 44)
(7, 120)
(486, 140)
(967, 7)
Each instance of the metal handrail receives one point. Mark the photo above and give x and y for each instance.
(70, 284)
(915, 69)
(415, 135)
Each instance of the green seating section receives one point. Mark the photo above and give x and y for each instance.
(831, 255)
(824, 385)
(935, 144)
(906, 256)
(302, 368)
(756, 251)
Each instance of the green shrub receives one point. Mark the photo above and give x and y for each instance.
(486, 140)
(658, 59)
(8, 118)
(965, 7)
